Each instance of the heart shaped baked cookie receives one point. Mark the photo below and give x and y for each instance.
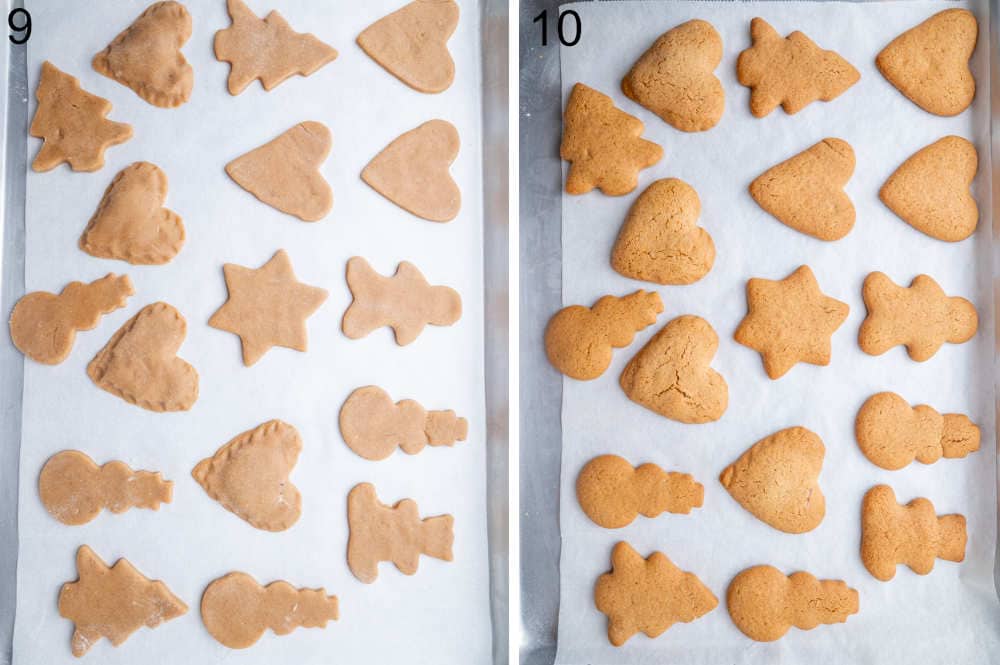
(660, 240)
(674, 78)
(412, 171)
(776, 479)
(671, 374)
(140, 363)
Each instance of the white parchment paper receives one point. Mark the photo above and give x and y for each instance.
(949, 616)
(440, 615)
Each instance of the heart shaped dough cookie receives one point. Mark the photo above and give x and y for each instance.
(660, 240)
(671, 376)
(776, 479)
(412, 171)
(140, 363)
(930, 62)
(674, 78)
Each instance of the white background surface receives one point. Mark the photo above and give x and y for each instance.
(949, 616)
(440, 615)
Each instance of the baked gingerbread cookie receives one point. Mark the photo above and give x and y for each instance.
(790, 321)
(602, 145)
(579, 340)
(792, 71)
(806, 192)
(929, 63)
(674, 78)
(921, 317)
(930, 190)
(660, 240)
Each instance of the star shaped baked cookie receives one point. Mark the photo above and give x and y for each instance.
(790, 321)
(267, 307)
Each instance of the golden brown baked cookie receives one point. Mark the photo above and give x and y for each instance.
(920, 317)
(930, 190)
(913, 534)
(113, 602)
(777, 480)
(146, 56)
(674, 78)
(602, 145)
(660, 240)
(792, 71)
(612, 492)
(671, 374)
(237, 610)
(579, 340)
(891, 433)
(764, 603)
(648, 595)
(929, 63)
(806, 192)
(72, 123)
(43, 325)
(266, 49)
(790, 321)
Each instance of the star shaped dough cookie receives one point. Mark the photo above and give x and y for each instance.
(267, 307)
(790, 321)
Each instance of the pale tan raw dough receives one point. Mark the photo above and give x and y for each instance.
(412, 171)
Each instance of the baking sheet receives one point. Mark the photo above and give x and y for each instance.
(193, 540)
(949, 616)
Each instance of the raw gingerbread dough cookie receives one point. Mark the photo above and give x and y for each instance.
(674, 78)
(404, 302)
(249, 476)
(43, 325)
(920, 317)
(602, 145)
(930, 62)
(267, 307)
(74, 489)
(146, 56)
(284, 173)
(130, 223)
(113, 602)
(373, 426)
(930, 190)
(612, 492)
(237, 610)
(72, 123)
(792, 71)
(660, 240)
(891, 433)
(806, 192)
(412, 171)
(412, 44)
(140, 363)
(777, 480)
(790, 321)
(912, 534)
(764, 603)
(392, 533)
(266, 49)
(579, 340)
(671, 374)
(648, 595)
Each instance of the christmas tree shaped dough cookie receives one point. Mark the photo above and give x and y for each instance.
(237, 610)
(113, 602)
(602, 145)
(412, 44)
(284, 173)
(43, 325)
(146, 56)
(72, 123)
(130, 223)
